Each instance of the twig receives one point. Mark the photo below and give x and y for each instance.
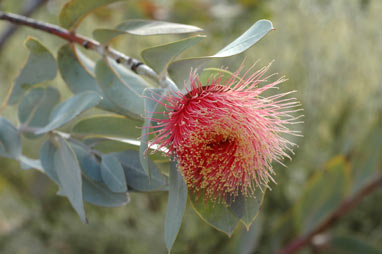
(105, 51)
(338, 213)
(12, 28)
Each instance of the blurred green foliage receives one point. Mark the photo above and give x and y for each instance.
(331, 52)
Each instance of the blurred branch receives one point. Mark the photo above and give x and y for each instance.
(13, 28)
(338, 213)
(105, 51)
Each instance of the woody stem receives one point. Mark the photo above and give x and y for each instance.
(105, 51)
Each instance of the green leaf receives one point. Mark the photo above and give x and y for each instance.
(10, 141)
(180, 70)
(218, 215)
(159, 57)
(247, 208)
(350, 245)
(113, 174)
(36, 107)
(177, 200)
(137, 178)
(143, 27)
(77, 71)
(121, 86)
(39, 67)
(367, 160)
(249, 239)
(69, 175)
(322, 195)
(108, 126)
(69, 109)
(90, 164)
(99, 194)
(74, 11)
(150, 107)
(47, 160)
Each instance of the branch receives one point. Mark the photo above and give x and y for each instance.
(105, 51)
(338, 213)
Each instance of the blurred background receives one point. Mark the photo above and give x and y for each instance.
(331, 53)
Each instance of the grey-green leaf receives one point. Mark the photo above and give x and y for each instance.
(28, 163)
(90, 165)
(143, 27)
(39, 67)
(136, 177)
(159, 57)
(77, 70)
(69, 109)
(150, 107)
(108, 126)
(247, 208)
(180, 70)
(217, 215)
(247, 39)
(47, 160)
(113, 174)
(121, 86)
(177, 200)
(10, 141)
(36, 107)
(69, 175)
(99, 194)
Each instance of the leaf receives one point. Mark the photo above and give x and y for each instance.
(39, 67)
(69, 175)
(180, 70)
(150, 107)
(367, 160)
(121, 86)
(36, 106)
(247, 208)
(77, 71)
(247, 39)
(90, 165)
(28, 163)
(93, 192)
(136, 177)
(106, 145)
(249, 239)
(69, 109)
(143, 27)
(350, 245)
(217, 215)
(177, 200)
(113, 174)
(47, 160)
(322, 194)
(159, 57)
(108, 126)
(99, 194)
(74, 11)
(10, 141)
